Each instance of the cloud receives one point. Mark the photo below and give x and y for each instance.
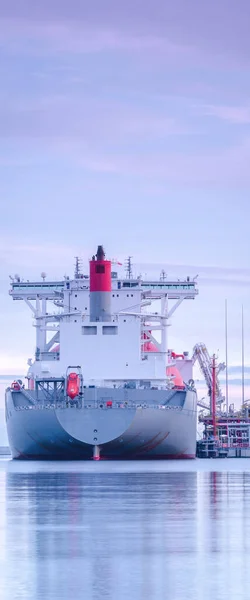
(239, 115)
(204, 269)
(83, 36)
(232, 381)
(16, 254)
(87, 121)
(107, 151)
(216, 276)
(12, 363)
(192, 30)
(236, 381)
(224, 282)
(237, 369)
(34, 256)
(21, 161)
(94, 134)
(228, 167)
(108, 136)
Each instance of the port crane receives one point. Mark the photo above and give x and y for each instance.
(201, 355)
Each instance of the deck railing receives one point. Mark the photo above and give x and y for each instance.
(78, 406)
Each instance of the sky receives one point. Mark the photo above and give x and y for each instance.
(128, 124)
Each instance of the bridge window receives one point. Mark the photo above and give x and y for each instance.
(109, 330)
(89, 330)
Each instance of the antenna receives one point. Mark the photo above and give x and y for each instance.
(78, 268)
(243, 355)
(226, 356)
(128, 267)
(163, 275)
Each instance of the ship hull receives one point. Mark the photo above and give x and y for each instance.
(40, 433)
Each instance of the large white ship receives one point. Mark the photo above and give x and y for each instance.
(105, 385)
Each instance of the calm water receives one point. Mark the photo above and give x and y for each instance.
(110, 531)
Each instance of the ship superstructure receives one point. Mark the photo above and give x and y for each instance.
(98, 336)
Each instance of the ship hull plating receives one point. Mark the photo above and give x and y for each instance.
(70, 433)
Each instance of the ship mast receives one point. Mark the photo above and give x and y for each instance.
(78, 267)
(243, 355)
(226, 356)
(213, 403)
(128, 268)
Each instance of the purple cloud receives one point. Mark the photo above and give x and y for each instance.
(117, 115)
(207, 275)
(206, 31)
(228, 167)
(234, 114)
(204, 270)
(72, 118)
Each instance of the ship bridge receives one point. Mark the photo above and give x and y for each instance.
(69, 299)
(21, 290)
(155, 289)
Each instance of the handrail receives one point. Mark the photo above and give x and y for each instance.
(63, 405)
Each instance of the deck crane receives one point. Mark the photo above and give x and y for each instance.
(200, 354)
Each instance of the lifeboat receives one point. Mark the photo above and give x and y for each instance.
(148, 345)
(16, 386)
(174, 355)
(73, 385)
(173, 372)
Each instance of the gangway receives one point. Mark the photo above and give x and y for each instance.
(29, 397)
(203, 404)
(200, 354)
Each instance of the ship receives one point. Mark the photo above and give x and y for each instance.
(103, 383)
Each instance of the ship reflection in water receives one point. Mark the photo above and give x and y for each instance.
(97, 532)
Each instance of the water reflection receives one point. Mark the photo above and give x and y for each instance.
(116, 535)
